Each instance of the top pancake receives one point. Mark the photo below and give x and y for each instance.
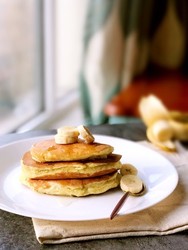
(48, 151)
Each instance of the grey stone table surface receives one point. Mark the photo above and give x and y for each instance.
(16, 232)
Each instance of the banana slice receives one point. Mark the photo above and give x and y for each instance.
(61, 139)
(152, 109)
(86, 134)
(165, 145)
(128, 169)
(162, 130)
(68, 131)
(131, 183)
(66, 135)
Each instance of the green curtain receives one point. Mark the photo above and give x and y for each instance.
(122, 39)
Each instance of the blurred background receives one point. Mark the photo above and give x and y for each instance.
(70, 62)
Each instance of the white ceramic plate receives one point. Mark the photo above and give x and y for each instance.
(159, 175)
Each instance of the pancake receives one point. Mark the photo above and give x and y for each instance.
(68, 169)
(74, 187)
(76, 168)
(48, 151)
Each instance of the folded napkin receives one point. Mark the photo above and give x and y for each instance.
(167, 217)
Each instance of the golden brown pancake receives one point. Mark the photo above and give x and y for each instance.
(48, 150)
(68, 169)
(77, 169)
(74, 187)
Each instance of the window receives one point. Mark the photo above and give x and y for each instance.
(69, 20)
(20, 63)
(40, 58)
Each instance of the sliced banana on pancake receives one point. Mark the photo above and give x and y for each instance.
(61, 139)
(131, 183)
(128, 169)
(66, 135)
(86, 134)
(69, 134)
(167, 145)
(68, 131)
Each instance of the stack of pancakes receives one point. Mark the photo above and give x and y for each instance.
(76, 169)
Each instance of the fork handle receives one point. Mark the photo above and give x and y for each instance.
(119, 205)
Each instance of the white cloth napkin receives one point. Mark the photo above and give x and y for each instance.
(167, 217)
